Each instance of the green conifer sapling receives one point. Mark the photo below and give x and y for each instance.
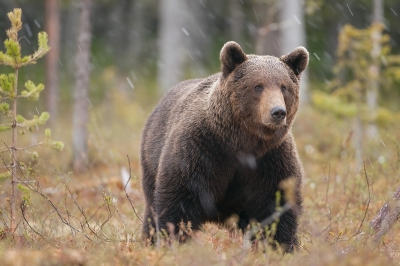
(9, 94)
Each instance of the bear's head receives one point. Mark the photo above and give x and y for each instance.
(263, 91)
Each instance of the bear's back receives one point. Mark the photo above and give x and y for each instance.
(183, 103)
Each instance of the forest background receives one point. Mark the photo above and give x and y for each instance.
(111, 61)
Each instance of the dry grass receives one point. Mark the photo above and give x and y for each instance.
(101, 228)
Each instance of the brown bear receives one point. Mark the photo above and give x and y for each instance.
(221, 146)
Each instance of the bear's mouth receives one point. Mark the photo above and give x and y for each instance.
(273, 124)
(271, 129)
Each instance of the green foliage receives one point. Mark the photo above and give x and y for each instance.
(42, 50)
(4, 108)
(355, 56)
(32, 91)
(12, 56)
(353, 75)
(391, 73)
(26, 195)
(9, 92)
(108, 200)
(34, 122)
(34, 155)
(57, 145)
(7, 85)
(13, 53)
(5, 175)
(334, 104)
(385, 117)
(16, 24)
(4, 128)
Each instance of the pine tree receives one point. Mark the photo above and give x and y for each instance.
(9, 94)
(353, 78)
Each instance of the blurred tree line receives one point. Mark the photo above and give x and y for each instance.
(129, 33)
(171, 40)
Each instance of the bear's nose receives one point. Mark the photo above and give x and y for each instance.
(278, 113)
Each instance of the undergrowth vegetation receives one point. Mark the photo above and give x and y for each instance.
(95, 218)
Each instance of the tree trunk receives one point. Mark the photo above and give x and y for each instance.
(52, 64)
(267, 36)
(293, 35)
(374, 69)
(82, 74)
(69, 38)
(236, 20)
(14, 177)
(172, 43)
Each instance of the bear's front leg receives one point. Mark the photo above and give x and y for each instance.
(179, 213)
(286, 233)
(188, 183)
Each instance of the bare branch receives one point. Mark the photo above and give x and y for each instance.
(82, 212)
(126, 193)
(23, 207)
(31, 146)
(38, 191)
(369, 199)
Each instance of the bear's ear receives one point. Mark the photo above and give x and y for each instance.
(296, 60)
(231, 56)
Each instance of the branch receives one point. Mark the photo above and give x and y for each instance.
(10, 125)
(26, 95)
(126, 193)
(23, 207)
(4, 149)
(387, 216)
(31, 146)
(38, 54)
(82, 212)
(369, 199)
(38, 191)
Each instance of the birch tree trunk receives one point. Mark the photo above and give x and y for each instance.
(374, 69)
(171, 43)
(52, 64)
(69, 38)
(267, 39)
(236, 20)
(82, 74)
(292, 34)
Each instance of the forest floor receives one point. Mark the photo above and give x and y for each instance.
(88, 219)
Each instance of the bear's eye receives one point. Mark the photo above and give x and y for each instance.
(258, 88)
(283, 88)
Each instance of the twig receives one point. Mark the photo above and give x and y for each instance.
(79, 208)
(38, 190)
(328, 181)
(26, 221)
(3, 221)
(86, 219)
(110, 214)
(126, 193)
(31, 146)
(369, 199)
(119, 215)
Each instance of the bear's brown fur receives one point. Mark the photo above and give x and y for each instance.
(221, 145)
